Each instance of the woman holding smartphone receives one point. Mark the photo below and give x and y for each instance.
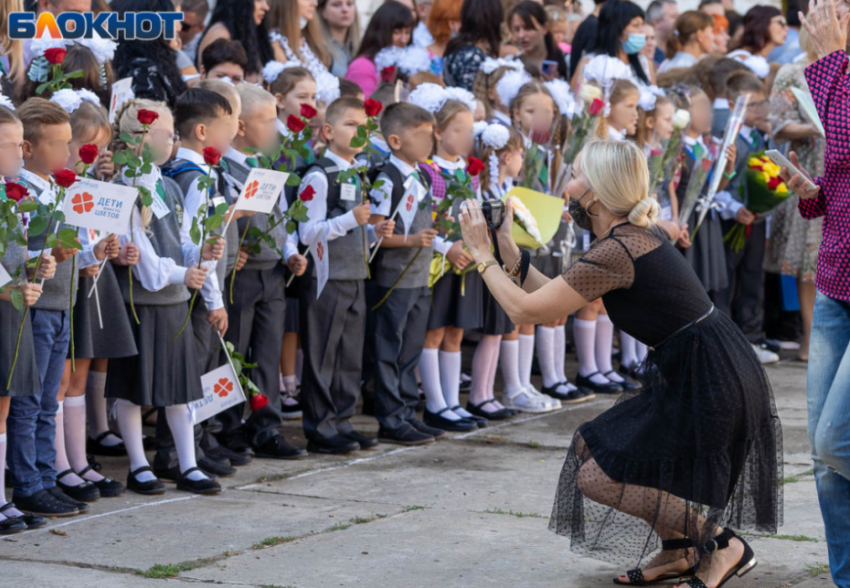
(529, 33)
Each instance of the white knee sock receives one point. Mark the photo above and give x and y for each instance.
(130, 423)
(546, 356)
(526, 357)
(290, 385)
(299, 364)
(628, 350)
(585, 336)
(75, 436)
(604, 345)
(560, 352)
(429, 371)
(96, 410)
(509, 357)
(182, 430)
(495, 342)
(12, 512)
(450, 380)
(62, 464)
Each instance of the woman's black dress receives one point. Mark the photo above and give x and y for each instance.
(701, 442)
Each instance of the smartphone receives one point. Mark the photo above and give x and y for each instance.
(549, 68)
(783, 161)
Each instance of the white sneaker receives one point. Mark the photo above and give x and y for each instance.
(765, 355)
(524, 401)
(553, 402)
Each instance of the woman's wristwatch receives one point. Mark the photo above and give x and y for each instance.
(482, 267)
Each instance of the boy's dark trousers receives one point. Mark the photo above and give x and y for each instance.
(746, 281)
(256, 331)
(400, 326)
(332, 339)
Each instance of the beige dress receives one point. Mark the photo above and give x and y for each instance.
(794, 241)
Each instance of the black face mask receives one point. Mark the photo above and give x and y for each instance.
(580, 215)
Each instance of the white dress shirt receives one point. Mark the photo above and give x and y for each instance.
(721, 104)
(382, 198)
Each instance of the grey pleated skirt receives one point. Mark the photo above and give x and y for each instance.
(25, 381)
(115, 338)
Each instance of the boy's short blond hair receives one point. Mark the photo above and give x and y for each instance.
(37, 113)
(224, 89)
(252, 97)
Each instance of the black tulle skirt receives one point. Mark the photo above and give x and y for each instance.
(699, 447)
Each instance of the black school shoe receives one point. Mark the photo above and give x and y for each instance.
(278, 448)
(145, 488)
(235, 440)
(108, 487)
(479, 421)
(56, 492)
(172, 474)
(202, 486)
(496, 415)
(12, 526)
(96, 447)
(629, 383)
(423, 428)
(435, 419)
(404, 435)
(465, 382)
(365, 441)
(30, 520)
(586, 382)
(43, 504)
(85, 492)
(220, 452)
(335, 445)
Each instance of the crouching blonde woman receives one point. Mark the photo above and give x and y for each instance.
(669, 471)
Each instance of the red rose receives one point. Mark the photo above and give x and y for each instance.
(64, 177)
(773, 184)
(56, 55)
(211, 155)
(596, 107)
(388, 74)
(259, 401)
(308, 111)
(655, 152)
(474, 167)
(295, 124)
(88, 154)
(541, 137)
(15, 191)
(373, 107)
(146, 117)
(307, 194)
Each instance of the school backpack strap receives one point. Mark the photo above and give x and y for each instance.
(176, 167)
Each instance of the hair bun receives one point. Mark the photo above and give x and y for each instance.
(644, 213)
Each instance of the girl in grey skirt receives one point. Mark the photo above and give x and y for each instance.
(165, 373)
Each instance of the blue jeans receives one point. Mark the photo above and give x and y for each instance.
(828, 400)
(32, 419)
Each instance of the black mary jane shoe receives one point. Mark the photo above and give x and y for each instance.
(437, 420)
(146, 488)
(496, 415)
(636, 575)
(108, 487)
(12, 525)
(96, 447)
(629, 383)
(480, 421)
(85, 492)
(744, 566)
(202, 486)
(588, 383)
(30, 520)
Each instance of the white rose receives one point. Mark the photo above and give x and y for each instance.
(588, 93)
(681, 119)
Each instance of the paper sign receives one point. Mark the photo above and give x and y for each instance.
(5, 278)
(545, 209)
(807, 105)
(158, 206)
(262, 190)
(100, 206)
(221, 391)
(348, 192)
(122, 90)
(408, 207)
(319, 251)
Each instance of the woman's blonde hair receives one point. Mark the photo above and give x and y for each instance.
(13, 49)
(127, 121)
(617, 174)
(283, 16)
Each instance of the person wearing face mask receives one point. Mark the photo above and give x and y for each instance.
(620, 36)
(659, 458)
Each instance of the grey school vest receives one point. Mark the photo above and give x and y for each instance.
(390, 262)
(57, 290)
(267, 258)
(164, 235)
(345, 254)
(185, 181)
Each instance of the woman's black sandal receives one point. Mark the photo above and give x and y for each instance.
(745, 564)
(636, 575)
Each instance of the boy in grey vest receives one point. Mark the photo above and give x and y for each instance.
(257, 312)
(333, 326)
(402, 264)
